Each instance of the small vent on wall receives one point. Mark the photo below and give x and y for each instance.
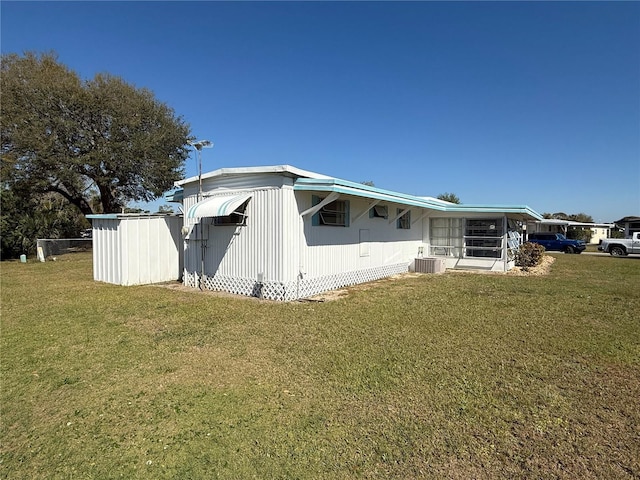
(430, 265)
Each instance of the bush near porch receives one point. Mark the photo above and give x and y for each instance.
(529, 255)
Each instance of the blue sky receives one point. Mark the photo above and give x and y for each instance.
(497, 102)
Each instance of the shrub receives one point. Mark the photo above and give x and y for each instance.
(529, 255)
(578, 233)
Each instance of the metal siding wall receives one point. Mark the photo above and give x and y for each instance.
(171, 258)
(244, 252)
(331, 250)
(154, 236)
(279, 244)
(240, 182)
(97, 250)
(191, 245)
(259, 246)
(292, 237)
(126, 253)
(137, 251)
(154, 250)
(165, 237)
(106, 252)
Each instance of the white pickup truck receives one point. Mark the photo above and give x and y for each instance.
(619, 247)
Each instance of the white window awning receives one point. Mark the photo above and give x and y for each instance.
(220, 206)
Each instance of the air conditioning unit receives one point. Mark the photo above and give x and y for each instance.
(430, 265)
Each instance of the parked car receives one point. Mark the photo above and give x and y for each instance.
(619, 247)
(86, 233)
(557, 242)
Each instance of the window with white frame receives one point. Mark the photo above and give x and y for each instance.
(333, 214)
(403, 222)
(445, 237)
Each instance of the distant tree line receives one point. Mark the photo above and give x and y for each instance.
(574, 232)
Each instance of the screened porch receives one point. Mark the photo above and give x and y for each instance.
(475, 242)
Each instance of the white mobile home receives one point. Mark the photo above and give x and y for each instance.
(282, 233)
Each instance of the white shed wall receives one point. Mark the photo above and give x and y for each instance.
(137, 250)
(106, 251)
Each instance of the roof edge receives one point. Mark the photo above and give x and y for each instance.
(268, 169)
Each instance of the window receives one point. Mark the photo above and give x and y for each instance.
(404, 222)
(483, 238)
(238, 217)
(379, 211)
(446, 237)
(334, 214)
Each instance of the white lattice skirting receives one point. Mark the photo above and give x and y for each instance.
(285, 291)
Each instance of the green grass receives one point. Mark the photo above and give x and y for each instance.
(435, 376)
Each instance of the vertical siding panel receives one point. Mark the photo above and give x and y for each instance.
(334, 250)
(97, 250)
(258, 247)
(136, 250)
(123, 243)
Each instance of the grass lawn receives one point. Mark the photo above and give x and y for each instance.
(438, 376)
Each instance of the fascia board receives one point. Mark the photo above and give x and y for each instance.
(354, 189)
(521, 209)
(276, 169)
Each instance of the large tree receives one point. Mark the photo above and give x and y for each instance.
(85, 139)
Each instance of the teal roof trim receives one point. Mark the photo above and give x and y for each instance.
(366, 191)
(175, 196)
(361, 190)
(523, 209)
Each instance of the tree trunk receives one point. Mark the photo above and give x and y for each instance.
(109, 203)
(77, 200)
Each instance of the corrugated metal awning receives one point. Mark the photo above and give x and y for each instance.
(218, 206)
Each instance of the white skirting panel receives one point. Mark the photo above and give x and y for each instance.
(303, 288)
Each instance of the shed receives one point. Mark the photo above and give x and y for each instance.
(136, 249)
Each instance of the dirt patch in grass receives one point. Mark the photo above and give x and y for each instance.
(543, 269)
